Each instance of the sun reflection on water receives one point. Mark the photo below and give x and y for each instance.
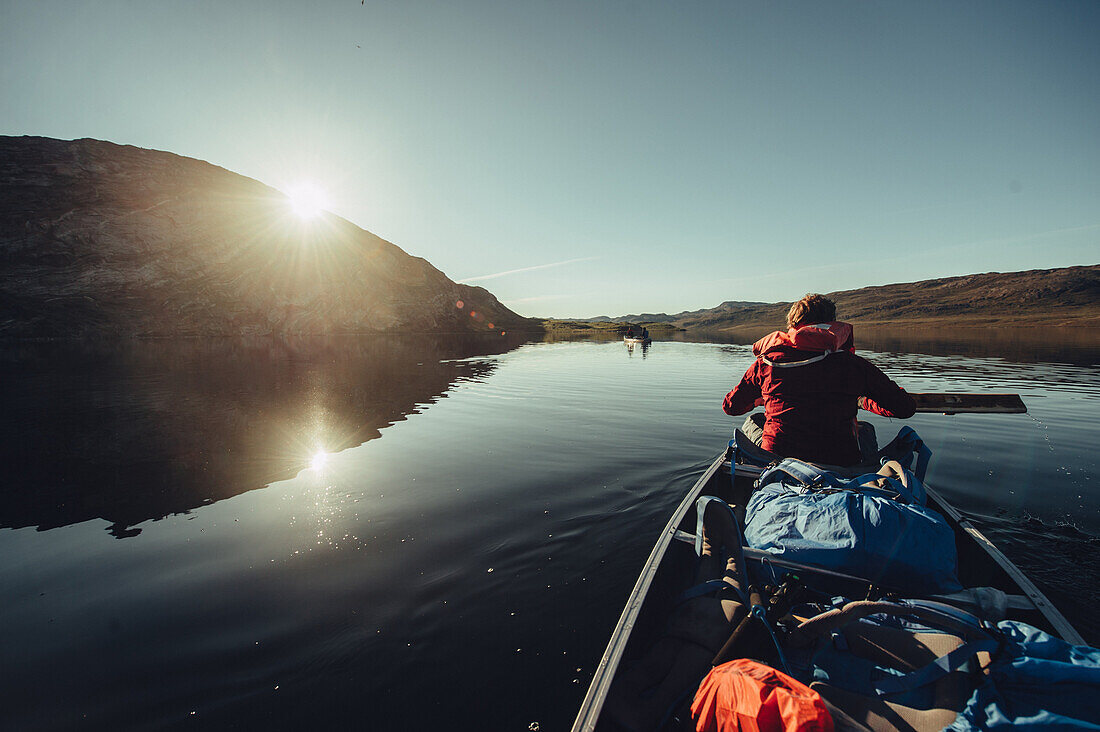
(323, 513)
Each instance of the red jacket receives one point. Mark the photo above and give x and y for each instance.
(811, 393)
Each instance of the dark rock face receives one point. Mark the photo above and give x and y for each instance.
(103, 239)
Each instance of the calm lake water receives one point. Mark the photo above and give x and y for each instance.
(409, 533)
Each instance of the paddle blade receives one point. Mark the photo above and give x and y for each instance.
(945, 403)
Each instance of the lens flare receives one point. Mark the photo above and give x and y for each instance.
(319, 461)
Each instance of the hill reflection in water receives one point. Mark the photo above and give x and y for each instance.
(129, 431)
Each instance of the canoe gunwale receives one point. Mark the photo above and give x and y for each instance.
(1040, 602)
(589, 713)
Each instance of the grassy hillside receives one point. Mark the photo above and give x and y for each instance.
(1050, 297)
(604, 328)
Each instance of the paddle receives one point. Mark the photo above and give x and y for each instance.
(947, 403)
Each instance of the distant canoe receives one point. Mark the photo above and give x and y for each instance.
(635, 341)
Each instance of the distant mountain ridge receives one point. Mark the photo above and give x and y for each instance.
(105, 239)
(1057, 297)
(731, 305)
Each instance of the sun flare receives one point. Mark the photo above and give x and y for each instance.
(307, 199)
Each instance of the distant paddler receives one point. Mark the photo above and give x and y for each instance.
(636, 333)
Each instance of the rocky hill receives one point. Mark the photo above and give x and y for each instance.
(1051, 297)
(104, 239)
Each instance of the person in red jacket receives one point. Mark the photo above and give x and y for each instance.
(811, 384)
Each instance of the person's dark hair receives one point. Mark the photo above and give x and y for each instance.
(812, 308)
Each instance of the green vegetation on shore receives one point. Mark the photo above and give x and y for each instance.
(604, 328)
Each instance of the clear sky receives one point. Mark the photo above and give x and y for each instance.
(588, 157)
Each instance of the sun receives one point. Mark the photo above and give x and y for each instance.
(307, 199)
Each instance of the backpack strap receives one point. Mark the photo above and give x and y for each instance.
(936, 670)
(806, 475)
(812, 478)
(977, 637)
(965, 626)
(897, 491)
(714, 585)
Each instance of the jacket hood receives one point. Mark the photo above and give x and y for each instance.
(795, 344)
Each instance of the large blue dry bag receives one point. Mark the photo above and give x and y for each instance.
(807, 515)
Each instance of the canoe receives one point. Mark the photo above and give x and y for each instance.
(670, 570)
(635, 341)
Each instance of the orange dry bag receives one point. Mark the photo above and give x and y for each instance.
(746, 695)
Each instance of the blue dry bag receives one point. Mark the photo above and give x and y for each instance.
(872, 526)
